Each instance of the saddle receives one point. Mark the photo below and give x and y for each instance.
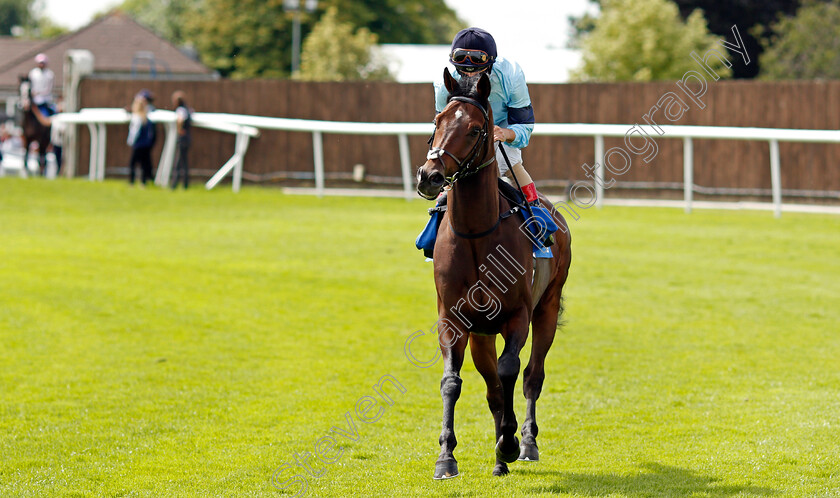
(541, 226)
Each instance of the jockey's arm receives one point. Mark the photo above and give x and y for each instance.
(520, 114)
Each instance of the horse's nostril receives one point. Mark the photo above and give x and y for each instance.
(436, 178)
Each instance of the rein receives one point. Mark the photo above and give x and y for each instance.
(465, 166)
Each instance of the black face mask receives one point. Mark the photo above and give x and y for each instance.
(472, 69)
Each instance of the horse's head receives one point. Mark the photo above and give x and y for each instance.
(25, 90)
(463, 135)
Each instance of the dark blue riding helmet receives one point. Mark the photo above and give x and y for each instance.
(473, 49)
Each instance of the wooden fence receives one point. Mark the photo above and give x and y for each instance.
(809, 170)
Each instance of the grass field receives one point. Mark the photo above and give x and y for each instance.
(192, 343)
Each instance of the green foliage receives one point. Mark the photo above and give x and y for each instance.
(45, 28)
(29, 16)
(804, 46)
(187, 344)
(401, 21)
(333, 52)
(242, 38)
(15, 13)
(165, 17)
(644, 40)
(253, 38)
(746, 14)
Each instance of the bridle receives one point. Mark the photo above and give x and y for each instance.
(465, 166)
(25, 93)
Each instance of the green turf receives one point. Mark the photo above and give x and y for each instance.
(191, 343)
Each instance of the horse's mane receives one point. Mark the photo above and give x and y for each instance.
(467, 86)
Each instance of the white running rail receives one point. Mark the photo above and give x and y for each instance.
(247, 126)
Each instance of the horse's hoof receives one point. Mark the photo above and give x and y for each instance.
(446, 469)
(528, 452)
(509, 455)
(501, 469)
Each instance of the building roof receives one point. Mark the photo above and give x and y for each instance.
(11, 47)
(119, 44)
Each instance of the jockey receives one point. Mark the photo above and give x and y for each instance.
(41, 79)
(473, 52)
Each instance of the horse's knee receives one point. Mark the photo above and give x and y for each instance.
(450, 386)
(532, 385)
(495, 399)
(508, 366)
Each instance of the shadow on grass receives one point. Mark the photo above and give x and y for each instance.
(654, 480)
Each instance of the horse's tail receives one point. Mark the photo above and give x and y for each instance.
(561, 320)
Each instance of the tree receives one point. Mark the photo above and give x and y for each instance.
(401, 21)
(15, 13)
(746, 14)
(333, 52)
(242, 38)
(46, 28)
(644, 40)
(253, 38)
(804, 46)
(165, 17)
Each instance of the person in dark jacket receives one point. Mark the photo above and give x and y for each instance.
(141, 138)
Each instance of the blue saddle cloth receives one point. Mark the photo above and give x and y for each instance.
(426, 239)
(540, 227)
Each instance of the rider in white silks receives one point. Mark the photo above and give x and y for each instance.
(473, 52)
(41, 80)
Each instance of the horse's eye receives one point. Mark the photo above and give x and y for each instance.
(475, 131)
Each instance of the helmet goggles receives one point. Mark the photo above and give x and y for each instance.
(468, 59)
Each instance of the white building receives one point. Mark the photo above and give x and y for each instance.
(425, 63)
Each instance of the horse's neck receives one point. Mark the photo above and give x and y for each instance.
(474, 201)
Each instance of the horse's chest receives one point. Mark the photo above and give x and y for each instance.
(483, 296)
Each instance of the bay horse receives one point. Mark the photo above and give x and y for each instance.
(473, 234)
(36, 126)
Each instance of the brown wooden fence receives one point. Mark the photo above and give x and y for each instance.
(807, 169)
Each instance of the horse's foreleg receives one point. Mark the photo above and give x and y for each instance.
(483, 349)
(23, 171)
(453, 346)
(42, 163)
(507, 447)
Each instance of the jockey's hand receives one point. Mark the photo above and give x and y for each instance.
(503, 134)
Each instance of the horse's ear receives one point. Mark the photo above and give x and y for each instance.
(483, 86)
(448, 81)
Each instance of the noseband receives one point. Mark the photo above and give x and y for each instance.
(465, 166)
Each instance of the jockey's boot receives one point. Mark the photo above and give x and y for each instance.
(441, 198)
(531, 195)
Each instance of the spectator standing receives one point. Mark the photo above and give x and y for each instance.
(149, 97)
(183, 122)
(141, 138)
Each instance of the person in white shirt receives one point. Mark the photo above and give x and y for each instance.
(41, 79)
